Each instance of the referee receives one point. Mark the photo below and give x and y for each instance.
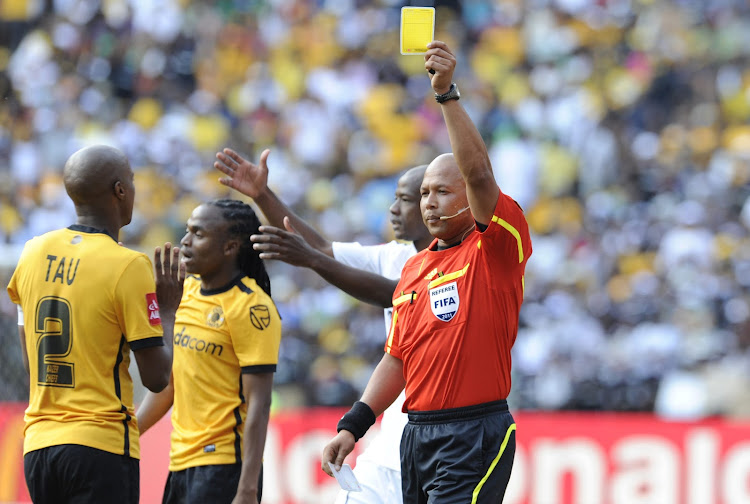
(455, 320)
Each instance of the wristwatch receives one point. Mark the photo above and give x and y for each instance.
(452, 94)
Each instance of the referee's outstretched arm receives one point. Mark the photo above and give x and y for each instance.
(468, 147)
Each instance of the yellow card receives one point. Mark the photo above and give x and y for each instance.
(417, 29)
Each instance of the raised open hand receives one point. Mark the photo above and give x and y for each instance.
(243, 176)
(169, 274)
(284, 245)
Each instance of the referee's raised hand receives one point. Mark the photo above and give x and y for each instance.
(440, 58)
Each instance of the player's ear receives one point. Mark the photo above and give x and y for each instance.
(231, 247)
(118, 189)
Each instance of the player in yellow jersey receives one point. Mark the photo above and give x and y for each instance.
(84, 303)
(226, 343)
(369, 273)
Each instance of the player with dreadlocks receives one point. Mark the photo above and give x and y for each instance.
(226, 345)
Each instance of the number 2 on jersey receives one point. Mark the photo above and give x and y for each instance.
(53, 327)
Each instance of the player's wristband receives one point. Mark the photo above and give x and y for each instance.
(357, 420)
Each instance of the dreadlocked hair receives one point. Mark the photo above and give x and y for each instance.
(243, 223)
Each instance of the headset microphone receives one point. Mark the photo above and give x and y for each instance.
(446, 217)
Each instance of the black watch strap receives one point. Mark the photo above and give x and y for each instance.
(452, 94)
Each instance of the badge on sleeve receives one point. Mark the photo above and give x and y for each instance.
(152, 305)
(444, 301)
(260, 316)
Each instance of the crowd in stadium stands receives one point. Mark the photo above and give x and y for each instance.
(622, 127)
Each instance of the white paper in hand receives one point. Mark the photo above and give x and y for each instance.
(345, 477)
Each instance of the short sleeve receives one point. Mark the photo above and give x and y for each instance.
(355, 255)
(255, 329)
(391, 344)
(508, 233)
(135, 301)
(403, 306)
(386, 259)
(13, 287)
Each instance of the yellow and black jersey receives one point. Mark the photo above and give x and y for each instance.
(86, 302)
(219, 334)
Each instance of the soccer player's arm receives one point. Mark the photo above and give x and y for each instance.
(365, 286)
(13, 295)
(252, 180)
(155, 406)
(289, 246)
(142, 325)
(467, 145)
(256, 340)
(257, 388)
(24, 355)
(377, 290)
(22, 339)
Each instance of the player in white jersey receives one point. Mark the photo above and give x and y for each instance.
(378, 468)
(369, 273)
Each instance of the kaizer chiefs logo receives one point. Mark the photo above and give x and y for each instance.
(260, 317)
(215, 317)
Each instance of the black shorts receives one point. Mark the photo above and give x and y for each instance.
(458, 456)
(216, 484)
(79, 474)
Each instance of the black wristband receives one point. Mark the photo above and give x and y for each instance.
(357, 420)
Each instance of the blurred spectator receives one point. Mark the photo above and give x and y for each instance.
(620, 126)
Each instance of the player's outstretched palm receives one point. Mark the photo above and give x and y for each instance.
(169, 274)
(243, 176)
(284, 245)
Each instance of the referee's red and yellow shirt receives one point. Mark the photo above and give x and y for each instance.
(455, 315)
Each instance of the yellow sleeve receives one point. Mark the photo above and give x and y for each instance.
(392, 342)
(13, 290)
(255, 329)
(13, 287)
(135, 301)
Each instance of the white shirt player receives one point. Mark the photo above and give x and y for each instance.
(386, 260)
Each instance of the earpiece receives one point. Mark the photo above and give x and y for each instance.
(446, 217)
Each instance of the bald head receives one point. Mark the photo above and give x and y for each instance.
(412, 179)
(445, 168)
(91, 173)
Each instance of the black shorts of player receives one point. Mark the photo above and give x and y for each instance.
(216, 484)
(458, 456)
(79, 474)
